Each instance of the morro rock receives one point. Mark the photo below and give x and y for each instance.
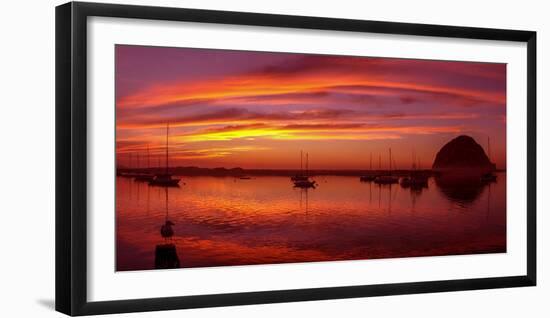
(464, 157)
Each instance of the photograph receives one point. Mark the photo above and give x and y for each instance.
(233, 157)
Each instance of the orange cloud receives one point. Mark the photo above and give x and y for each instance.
(242, 116)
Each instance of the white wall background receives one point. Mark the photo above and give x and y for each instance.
(27, 158)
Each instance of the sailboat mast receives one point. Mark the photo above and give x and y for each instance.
(379, 161)
(301, 161)
(307, 164)
(370, 161)
(148, 159)
(390, 160)
(489, 148)
(167, 128)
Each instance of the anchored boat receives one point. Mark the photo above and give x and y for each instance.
(300, 176)
(387, 179)
(165, 179)
(489, 176)
(370, 176)
(303, 181)
(145, 177)
(416, 179)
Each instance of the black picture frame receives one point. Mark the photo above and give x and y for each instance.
(71, 157)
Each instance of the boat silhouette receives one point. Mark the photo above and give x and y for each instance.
(130, 171)
(305, 182)
(300, 176)
(370, 176)
(165, 179)
(489, 176)
(145, 176)
(416, 179)
(389, 178)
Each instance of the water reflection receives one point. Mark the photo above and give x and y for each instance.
(415, 188)
(304, 198)
(389, 190)
(216, 221)
(461, 190)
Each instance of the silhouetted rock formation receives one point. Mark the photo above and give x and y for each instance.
(462, 157)
(458, 167)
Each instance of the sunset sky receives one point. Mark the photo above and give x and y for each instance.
(258, 110)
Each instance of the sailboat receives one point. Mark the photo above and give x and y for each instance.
(305, 182)
(132, 173)
(416, 179)
(489, 176)
(147, 176)
(370, 176)
(120, 172)
(165, 179)
(387, 179)
(300, 176)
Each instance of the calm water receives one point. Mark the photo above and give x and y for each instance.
(228, 221)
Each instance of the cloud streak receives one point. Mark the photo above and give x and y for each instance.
(244, 116)
(315, 75)
(350, 131)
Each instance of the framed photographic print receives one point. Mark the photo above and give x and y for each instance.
(208, 158)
